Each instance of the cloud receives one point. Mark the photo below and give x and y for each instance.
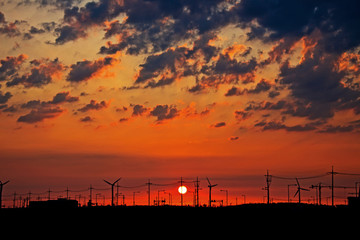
(2, 18)
(9, 29)
(10, 66)
(84, 70)
(218, 125)
(233, 138)
(262, 86)
(39, 114)
(241, 115)
(86, 119)
(163, 112)
(138, 110)
(337, 129)
(94, 105)
(62, 97)
(318, 85)
(78, 20)
(39, 75)
(157, 25)
(280, 125)
(5, 97)
(59, 98)
(162, 69)
(265, 105)
(68, 33)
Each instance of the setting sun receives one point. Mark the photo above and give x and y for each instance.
(182, 189)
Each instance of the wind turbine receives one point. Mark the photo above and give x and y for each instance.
(299, 190)
(210, 187)
(1, 188)
(112, 190)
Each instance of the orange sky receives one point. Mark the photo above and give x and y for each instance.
(97, 93)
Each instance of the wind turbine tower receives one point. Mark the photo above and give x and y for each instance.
(298, 192)
(1, 188)
(112, 189)
(210, 187)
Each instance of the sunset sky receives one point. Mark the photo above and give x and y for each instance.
(159, 89)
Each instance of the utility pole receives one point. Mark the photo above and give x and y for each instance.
(90, 200)
(318, 192)
(332, 185)
(14, 200)
(267, 187)
(197, 192)
(49, 191)
(148, 183)
(226, 195)
(134, 197)
(181, 195)
(67, 193)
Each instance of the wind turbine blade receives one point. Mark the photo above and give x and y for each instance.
(304, 189)
(5, 182)
(297, 181)
(116, 181)
(296, 193)
(214, 185)
(107, 182)
(208, 180)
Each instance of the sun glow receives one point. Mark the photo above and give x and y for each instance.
(182, 189)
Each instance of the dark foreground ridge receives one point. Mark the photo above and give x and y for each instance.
(168, 222)
(281, 213)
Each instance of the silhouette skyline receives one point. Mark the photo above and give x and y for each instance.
(206, 195)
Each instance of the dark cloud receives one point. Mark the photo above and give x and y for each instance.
(77, 19)
(233, 138)
(318, 85)
(218, 125)
(337, 129)
(45, 27)
(261, 86)
(39, 75)
(9, 29)
(94, 105)
(138, 110)
(242, 115)
(163, 112)
(157, 25)
(59, 4)
(234, 91)
(10, 66)
(59, 98)
(2, 18)
(283, 20)
(31, 104)
(226, 65)
(84, 70)
(155, 65)
(273, 94)
(265, 105)
(123, 120)
(11, 109)
(5, 97)
(62, 97)
(280, 125)
(39, 114)
(86, 119)
(68, 33)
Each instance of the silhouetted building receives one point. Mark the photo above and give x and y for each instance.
(59, 203)
(354, 201)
